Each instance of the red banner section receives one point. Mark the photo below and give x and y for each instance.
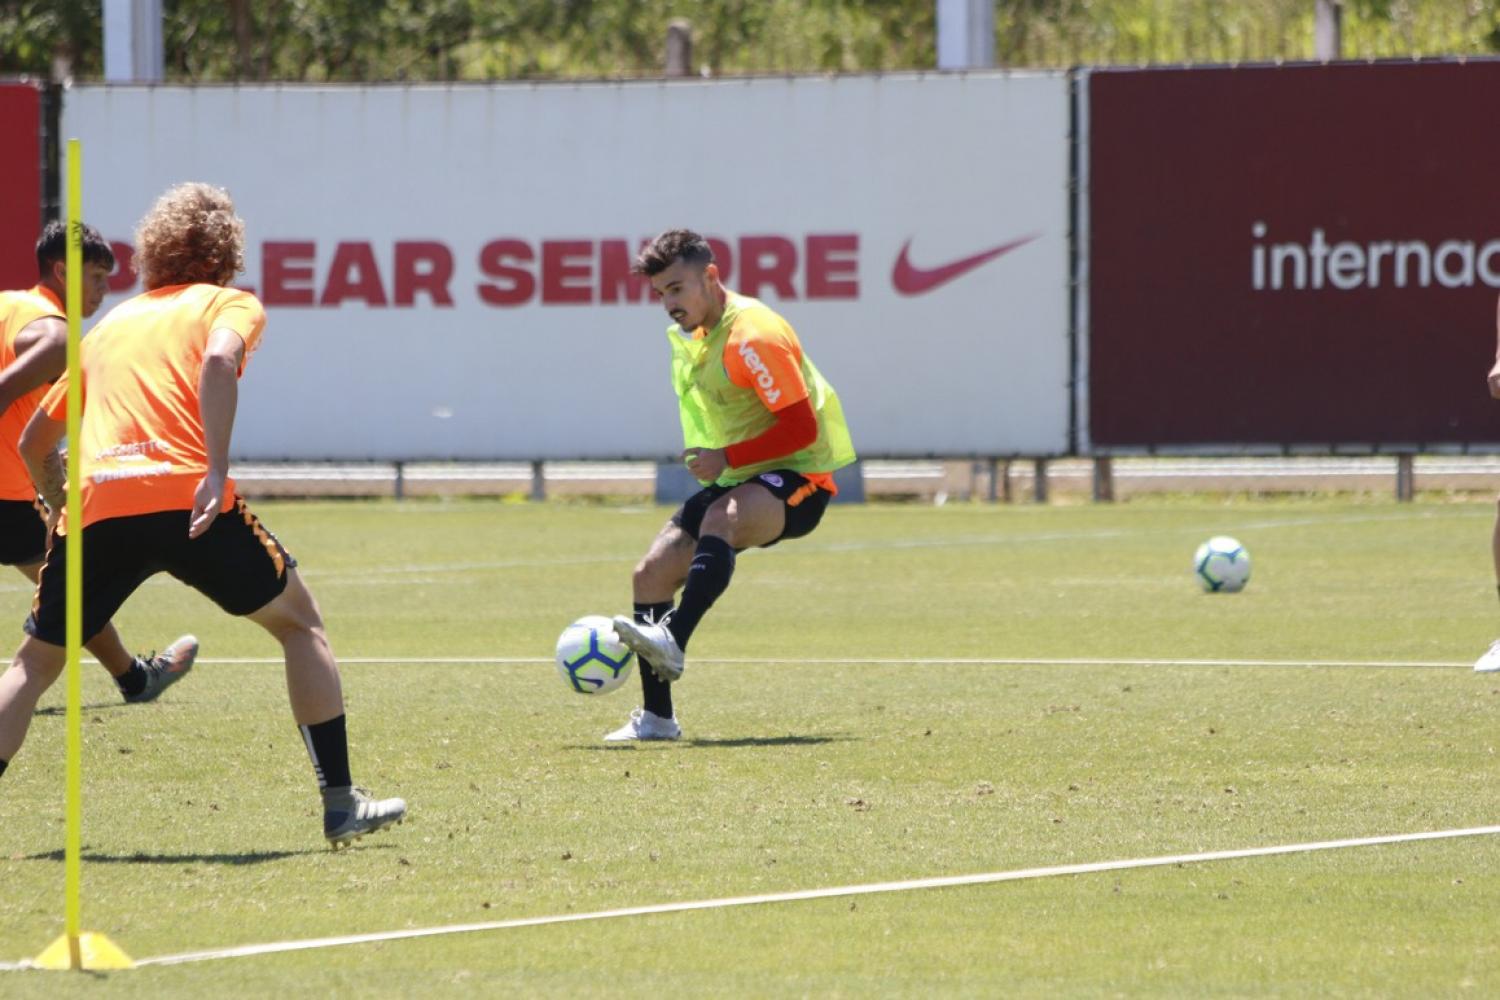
(21, 182)
(1294, 255)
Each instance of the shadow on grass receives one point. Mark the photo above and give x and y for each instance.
(144, 858)
(788, 740)
(745, 741)
(63, 709)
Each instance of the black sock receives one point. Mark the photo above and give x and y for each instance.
(328, 747)
(657, 692)
(708, 577)
(132, 681)
(3, 765)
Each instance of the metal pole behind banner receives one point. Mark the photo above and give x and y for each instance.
(965, 34)
(1328, 30)
(132, 41)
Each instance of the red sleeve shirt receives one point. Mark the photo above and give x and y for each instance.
(764, 354)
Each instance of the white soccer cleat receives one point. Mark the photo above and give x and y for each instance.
(644, 725)
(1490, 661)
(655, 645)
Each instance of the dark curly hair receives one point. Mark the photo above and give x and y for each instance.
(670, 247)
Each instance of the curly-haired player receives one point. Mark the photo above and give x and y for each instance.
(33, 353)
(160, 379)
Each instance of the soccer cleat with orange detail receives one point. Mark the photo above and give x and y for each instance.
(165, 669)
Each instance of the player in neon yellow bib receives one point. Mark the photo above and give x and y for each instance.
(763, 432)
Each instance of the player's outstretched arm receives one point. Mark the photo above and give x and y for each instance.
(218, 397)
(41, 356)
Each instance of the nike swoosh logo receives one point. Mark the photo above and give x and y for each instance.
(909, 279)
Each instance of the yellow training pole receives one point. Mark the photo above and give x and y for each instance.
(73, 631)
(76, 949)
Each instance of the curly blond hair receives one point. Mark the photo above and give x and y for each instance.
(190, 236)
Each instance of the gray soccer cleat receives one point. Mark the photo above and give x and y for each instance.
(655, 645)
(1490, 661)
(349, 813)
(165, 669)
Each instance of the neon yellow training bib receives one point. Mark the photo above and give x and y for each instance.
(717, 413)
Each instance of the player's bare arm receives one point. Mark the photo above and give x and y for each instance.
(1495, 369)
(218, 394)
(41, 356)
(38, 448)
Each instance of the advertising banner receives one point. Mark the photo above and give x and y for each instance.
(446, 269)
(21, 182)
(1293, 256)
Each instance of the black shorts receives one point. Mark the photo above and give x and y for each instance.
(23, 532)
(237, 564)
(804, 502)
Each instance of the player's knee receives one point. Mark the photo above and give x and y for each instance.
(293, 629)
(651, 574)
(37, 665)
(292, 615)
(721, 520)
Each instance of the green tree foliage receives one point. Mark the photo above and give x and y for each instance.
(351, 40)
(36, 34)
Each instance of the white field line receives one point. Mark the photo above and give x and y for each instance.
(375, 576)
(940, 882)
(959, 661)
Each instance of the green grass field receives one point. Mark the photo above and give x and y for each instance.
(830, 740)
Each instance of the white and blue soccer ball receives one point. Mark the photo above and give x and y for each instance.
(1222, 565)
(591, 657)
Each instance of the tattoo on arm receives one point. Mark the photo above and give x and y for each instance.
(54, 485)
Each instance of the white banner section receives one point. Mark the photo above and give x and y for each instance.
(446, 269)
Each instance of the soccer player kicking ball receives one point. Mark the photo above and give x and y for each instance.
(33, 353)
(160, 388)
(1490, 661)
(762, 430)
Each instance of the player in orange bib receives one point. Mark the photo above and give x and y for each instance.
(160, 387)
(763, 432)
(34, 352)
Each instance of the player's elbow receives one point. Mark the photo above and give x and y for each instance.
(220, 367)
(52, 349)
(39, 437)
(804, 429)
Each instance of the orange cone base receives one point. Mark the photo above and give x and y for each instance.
(87, 951)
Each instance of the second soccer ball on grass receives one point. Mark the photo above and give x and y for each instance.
(1222, 565)
(590, 656)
